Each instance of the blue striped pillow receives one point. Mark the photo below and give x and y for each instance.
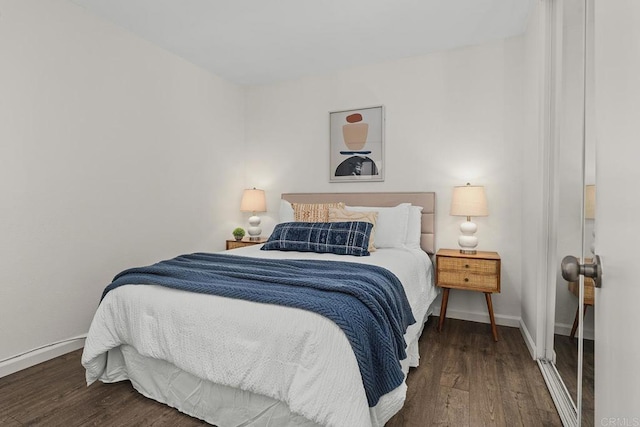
(340, 238)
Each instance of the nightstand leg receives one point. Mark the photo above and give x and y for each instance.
(443, 308)
(494, 331)
(577, 318)
(575, 322)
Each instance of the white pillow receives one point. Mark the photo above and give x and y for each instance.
(286, 211)
(391, 227)
(414, 228)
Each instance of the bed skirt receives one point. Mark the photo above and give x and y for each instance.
(224, 406)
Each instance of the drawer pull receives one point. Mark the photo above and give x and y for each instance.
(466, 279)
(466, 266)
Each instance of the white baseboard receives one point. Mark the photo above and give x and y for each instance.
(528, 340)
(501, 319)
(34, 357)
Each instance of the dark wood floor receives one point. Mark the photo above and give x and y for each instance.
(464, 378)
(467, 379)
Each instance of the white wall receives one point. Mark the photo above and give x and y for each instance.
(534, 183)
(113, 153)
(111, 157)
(451, 117)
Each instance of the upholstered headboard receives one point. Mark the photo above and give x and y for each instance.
(426, 200)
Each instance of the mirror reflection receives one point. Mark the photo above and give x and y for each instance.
(576, 212)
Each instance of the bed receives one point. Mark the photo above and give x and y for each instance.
(278, 366)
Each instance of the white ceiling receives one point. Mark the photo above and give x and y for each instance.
(265, 41)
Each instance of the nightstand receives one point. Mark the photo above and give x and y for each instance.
(233, 244)
(478, 272)
(574, 288)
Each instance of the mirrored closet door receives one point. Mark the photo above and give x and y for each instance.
(570, 322)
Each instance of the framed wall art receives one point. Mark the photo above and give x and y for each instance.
(357, 145)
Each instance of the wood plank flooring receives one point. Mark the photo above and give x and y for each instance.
(467, 379)
(464, 379)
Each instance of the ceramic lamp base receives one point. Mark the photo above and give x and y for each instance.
(467, 241)
(255, 230)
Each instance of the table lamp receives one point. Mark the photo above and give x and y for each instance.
(253, 201)
(468, 200)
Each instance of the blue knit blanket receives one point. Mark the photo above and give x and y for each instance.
(367, 302)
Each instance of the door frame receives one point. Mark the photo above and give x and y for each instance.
(551, 100)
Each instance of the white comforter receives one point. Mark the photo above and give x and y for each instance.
(291, 355)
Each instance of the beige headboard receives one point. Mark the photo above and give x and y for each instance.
(426, 200)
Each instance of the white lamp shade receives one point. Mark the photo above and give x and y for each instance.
(469, 200)
(253, 200)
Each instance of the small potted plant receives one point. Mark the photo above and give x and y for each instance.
(238, 233)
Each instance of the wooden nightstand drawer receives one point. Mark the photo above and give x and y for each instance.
(589, 284)
(473, 266)
(463, 280)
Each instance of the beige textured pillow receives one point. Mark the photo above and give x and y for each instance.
(341, 215)
(313, 212)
